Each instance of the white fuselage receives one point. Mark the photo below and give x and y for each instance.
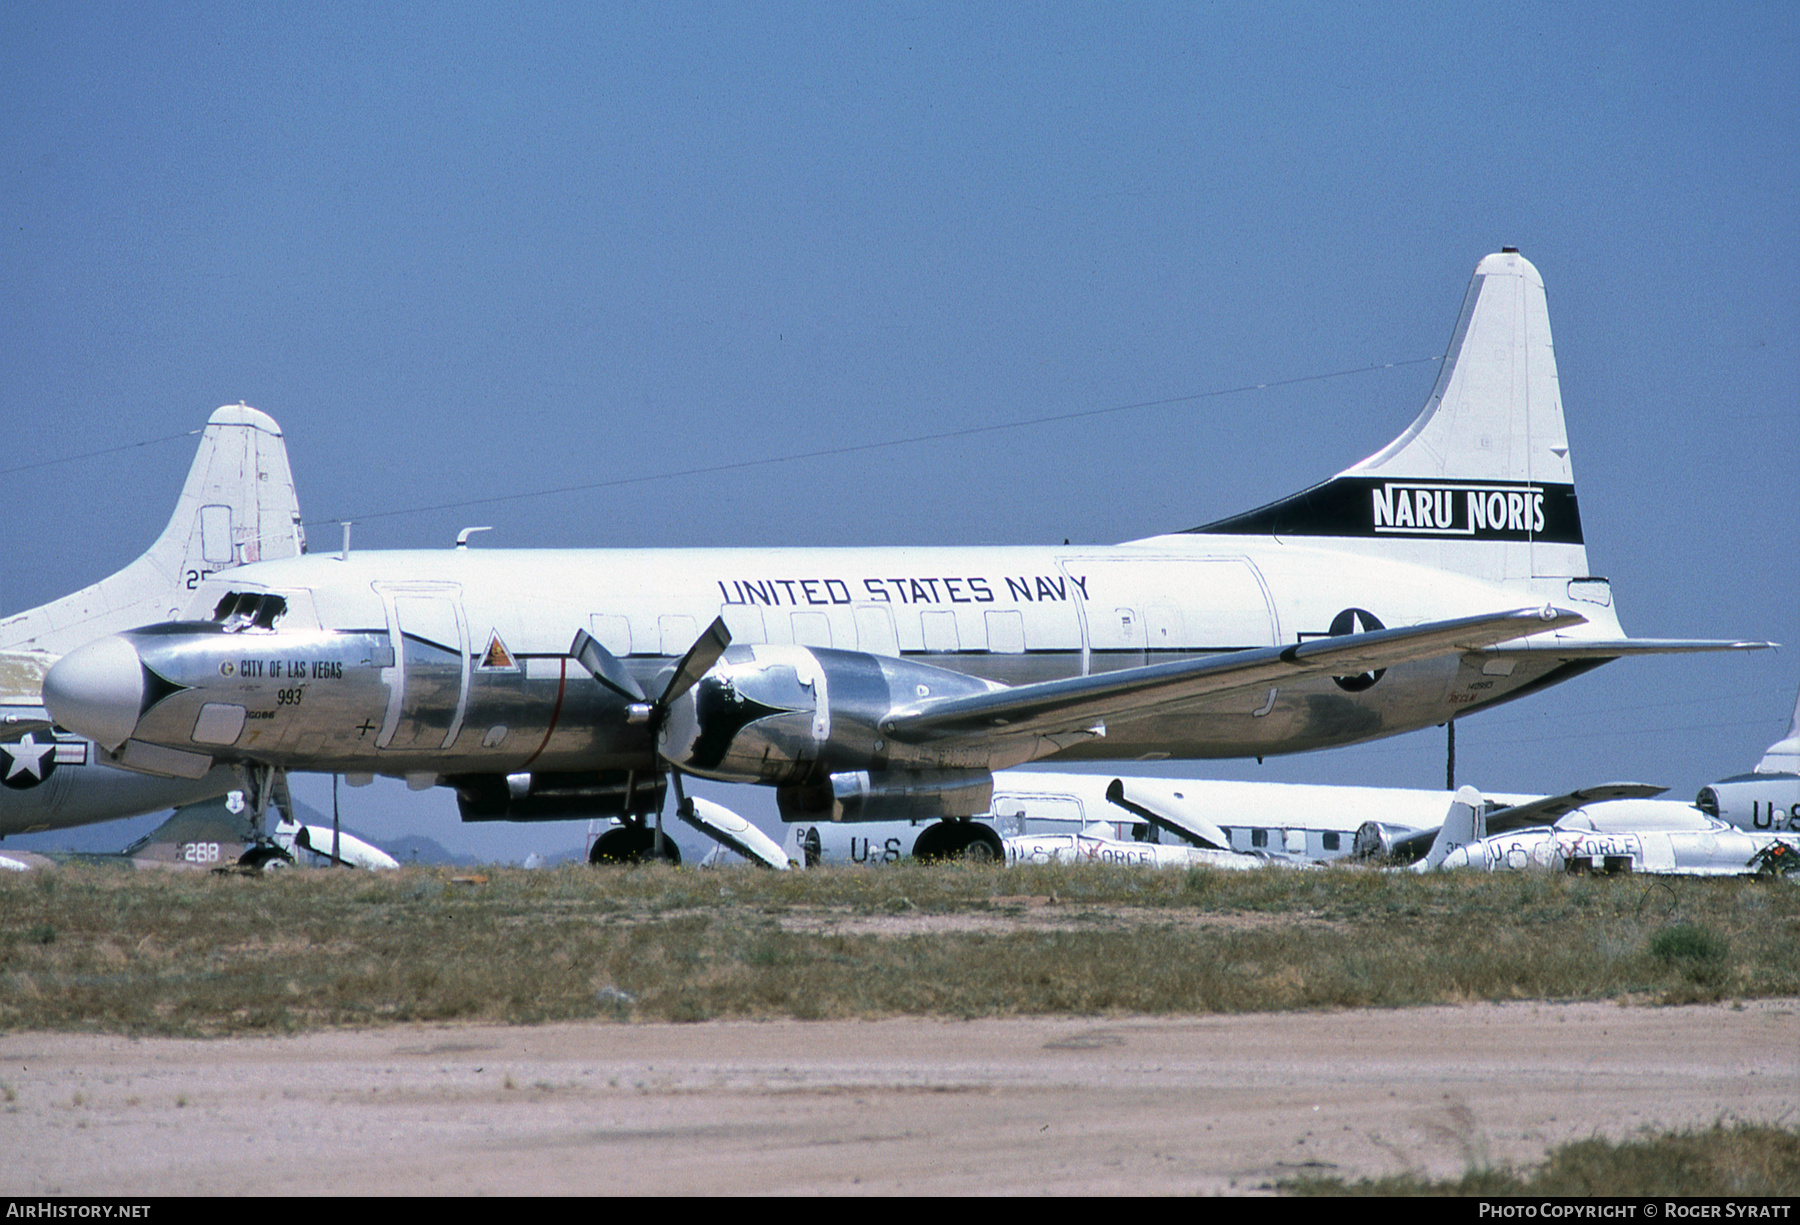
(1718, 850)
(458, 661)
(1282, 822)
(1095, 846)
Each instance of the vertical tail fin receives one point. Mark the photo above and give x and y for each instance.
(1481, 482)
(238, 506)
(1496, 411)
(1783, 756)
(1463, 826)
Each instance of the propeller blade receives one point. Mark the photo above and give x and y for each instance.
(606, 667)
(697, 662)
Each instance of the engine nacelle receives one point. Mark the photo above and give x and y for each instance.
(893, 795)
(1765, 803)
(559, 797)
(791, 716)
(1390, 843)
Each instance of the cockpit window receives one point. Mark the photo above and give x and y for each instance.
(268, 608)
(241, 610)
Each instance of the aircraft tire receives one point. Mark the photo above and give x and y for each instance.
(631, 844)
(266, 859)
(965, 840)
(931, 846)
(983, 846)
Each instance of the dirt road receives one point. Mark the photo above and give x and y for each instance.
(1214, 1104)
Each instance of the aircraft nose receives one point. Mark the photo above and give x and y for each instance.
(97, 690)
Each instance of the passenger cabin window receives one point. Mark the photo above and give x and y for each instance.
(1259, 837)
(242, 610)
(1330, 841)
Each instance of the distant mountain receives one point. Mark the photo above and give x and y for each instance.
(111, 836)
(417, 848)
(104, 836)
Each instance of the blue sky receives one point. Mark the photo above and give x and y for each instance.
(470, 252)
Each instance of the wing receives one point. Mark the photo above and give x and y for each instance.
(1615, 648)
(1074, 706)
(22, 692)
(18, 720)
(1547, 810)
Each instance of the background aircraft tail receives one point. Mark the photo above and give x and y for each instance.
(1462, 827)
(1783, 756)
(1481, 482)
(238, 506)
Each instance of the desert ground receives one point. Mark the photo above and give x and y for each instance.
(1209, 1105)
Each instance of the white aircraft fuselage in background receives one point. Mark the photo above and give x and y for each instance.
(1293, 822)
(1039, 814)
(1768, 798)
(1440, 576)
(237, 506)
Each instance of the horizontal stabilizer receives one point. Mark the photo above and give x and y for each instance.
(214, 820)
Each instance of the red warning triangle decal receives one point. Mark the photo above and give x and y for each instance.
(496, 655)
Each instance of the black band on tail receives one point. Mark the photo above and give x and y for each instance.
(1373, 507)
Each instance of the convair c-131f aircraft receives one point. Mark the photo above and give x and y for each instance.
(237, 505)
(1444, 574)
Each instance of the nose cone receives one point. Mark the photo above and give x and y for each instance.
(97, 690)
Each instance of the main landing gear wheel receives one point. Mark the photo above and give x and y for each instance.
(964, 840)
(979, 850)
(266, 859)
(632, 844)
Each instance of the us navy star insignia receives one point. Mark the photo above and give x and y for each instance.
(27, 758)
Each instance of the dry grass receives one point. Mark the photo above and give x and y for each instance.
(94, 948)
(1745, 1160)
